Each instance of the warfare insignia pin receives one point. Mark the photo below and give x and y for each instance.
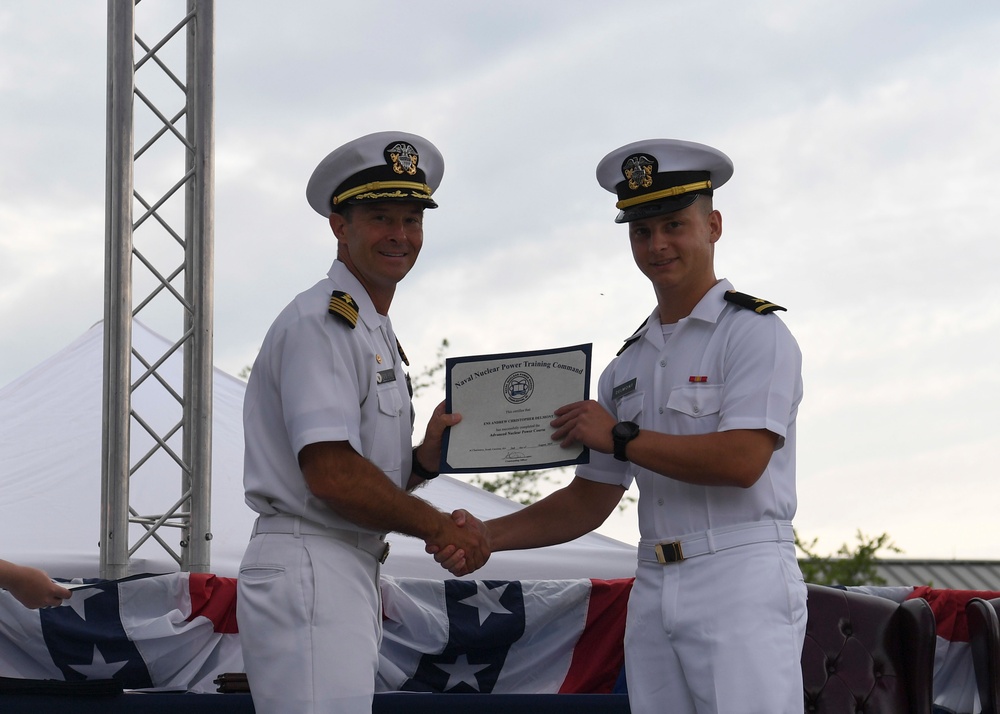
(638, 169)
(402, 157)
(344, 306)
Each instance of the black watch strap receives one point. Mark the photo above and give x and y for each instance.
(622, 433)
(419, 470)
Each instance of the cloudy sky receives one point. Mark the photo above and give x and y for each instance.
(866, 152)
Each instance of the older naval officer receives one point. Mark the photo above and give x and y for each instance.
(328, 424)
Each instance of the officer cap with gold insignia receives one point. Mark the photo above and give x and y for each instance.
(658, 176)
(386, 166)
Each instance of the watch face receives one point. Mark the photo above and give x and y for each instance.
(622, 433)
(625, 430)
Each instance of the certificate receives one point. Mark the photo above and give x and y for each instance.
(506, 402)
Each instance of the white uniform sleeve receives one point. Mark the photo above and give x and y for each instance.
(763, 381)
(319, 384)
(605, 468)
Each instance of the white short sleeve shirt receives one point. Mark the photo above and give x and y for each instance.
(722, 368)
(318, 379)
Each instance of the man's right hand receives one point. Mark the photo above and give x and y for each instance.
(464, 545)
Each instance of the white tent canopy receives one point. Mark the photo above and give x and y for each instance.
(50, 487)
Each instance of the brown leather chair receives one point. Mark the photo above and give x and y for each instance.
(984, 640)
(868, 654)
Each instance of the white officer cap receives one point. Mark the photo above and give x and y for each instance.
(386, 166)
(658, 176)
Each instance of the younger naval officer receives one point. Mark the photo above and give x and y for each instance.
(698, 408)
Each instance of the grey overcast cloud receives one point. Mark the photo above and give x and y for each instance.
(864, 136)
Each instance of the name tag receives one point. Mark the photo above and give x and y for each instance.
(622, 389)
(386, 375)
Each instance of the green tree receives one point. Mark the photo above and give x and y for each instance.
(520, 486)
(433, 375)
(849, 566)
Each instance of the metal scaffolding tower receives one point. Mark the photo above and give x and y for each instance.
(158, 267)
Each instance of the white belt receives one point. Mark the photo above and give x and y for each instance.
(715, 540)
(372, 544)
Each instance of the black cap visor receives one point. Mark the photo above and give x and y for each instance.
(658, 208)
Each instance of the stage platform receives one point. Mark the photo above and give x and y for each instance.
(395, 703)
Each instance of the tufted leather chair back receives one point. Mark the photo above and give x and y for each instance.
(867, 655)
(984, 639)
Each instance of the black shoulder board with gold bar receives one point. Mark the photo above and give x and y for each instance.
(343, 305)
(402, 355)
(631, 340)
(758, 305)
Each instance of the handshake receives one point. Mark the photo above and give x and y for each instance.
(462, 545)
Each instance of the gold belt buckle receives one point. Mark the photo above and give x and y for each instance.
(385, 554)
(669, 552)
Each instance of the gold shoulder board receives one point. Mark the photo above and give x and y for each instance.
(758, 305)
(343, 305)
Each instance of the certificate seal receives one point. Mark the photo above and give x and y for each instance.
(518, 387)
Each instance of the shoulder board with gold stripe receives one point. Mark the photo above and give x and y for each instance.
(402, 354)
(631, 340)
(758, 305)
(343, 305)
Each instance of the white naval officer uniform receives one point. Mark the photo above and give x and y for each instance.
(718, 631)
(309, 605)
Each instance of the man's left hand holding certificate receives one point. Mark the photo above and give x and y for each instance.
(507, 402)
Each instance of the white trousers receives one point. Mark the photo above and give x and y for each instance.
(718, 634)
(309, 611)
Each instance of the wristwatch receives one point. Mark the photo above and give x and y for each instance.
(622, 433)
(419, 470)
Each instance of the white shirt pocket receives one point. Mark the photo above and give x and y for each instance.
(629, 407)
(696, 400)
(386, 450)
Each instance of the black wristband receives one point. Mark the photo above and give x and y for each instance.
(621, 434)
(419, 470)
